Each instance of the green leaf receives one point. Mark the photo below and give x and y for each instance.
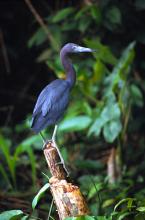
(120, 71)
(108, 202)
(8, 215)
(38, 38)
(94, 190)
(26, 144)
(103, 52)
(83, 218)
(81, 12)
(111, 130)
(77, 123)
(96, 127)
(4, 147)
(114, 15)
(136, 95)
(87, 181)
(110, 112)
(96, 14)
(44, 55)
(87, 108)
(84, 24)
(101, 218)
(5, 174)
(99, 71)
(39, 194)
(33, 164)
(63, 14)
(25, 217)
(141, 209)
(123, 215)
(69, 26)
(126, 200)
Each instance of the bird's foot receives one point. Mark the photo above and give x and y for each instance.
(61, 158)
(53, 142)
(45, 143)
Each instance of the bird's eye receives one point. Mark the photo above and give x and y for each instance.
(74, 48)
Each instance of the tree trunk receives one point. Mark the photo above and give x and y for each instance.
(113, 167)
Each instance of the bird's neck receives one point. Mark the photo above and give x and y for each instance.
(68, 67)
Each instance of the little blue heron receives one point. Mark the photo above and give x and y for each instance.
(53, 99)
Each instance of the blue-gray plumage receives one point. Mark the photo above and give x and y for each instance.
(54, 98)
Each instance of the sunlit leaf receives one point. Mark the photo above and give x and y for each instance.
(99, 71)
(141, 209)
(103, 52)
(110, 112)
(8, 215)
(75, 124)
(39, 194)
(111, 130)
(83, 218)
(126, 200)
(25, 217)
(108, 202)
(87, 108)
(96, 127)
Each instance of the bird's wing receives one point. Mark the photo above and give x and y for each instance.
(50, 94)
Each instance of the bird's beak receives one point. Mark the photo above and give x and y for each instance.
(79, 49)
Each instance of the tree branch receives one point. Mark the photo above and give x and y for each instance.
(41, 23)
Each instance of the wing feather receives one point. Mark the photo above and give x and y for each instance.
(51, 104)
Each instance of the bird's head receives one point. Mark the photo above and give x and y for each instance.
(74, 48)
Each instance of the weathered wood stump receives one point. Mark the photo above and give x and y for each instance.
(67, 197)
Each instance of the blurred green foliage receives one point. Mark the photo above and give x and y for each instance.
(100, 114)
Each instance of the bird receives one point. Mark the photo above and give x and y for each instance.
(54, 98)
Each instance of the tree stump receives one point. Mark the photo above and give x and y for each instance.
(67, 197)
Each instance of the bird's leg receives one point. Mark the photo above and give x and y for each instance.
(54, 133)
(58, 151)
(43, 138)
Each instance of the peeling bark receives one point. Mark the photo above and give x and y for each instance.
(67, 197)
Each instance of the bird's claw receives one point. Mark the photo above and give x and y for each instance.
(52, 141)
